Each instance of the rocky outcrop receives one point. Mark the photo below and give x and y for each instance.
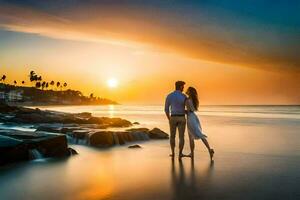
(135, 146)
(156, 133)
(12, 150)
(21, 145)
(54, 130)
(111, 138)
(102, 139)
(37, 116)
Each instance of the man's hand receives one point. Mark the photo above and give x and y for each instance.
(168, 116)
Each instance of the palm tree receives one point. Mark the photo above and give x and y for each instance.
(32, 73)
(43, 85)
(33, 77)
(57, 84)
(15, 83)
(47, 85)
(3, 78)
(23, 82)
(38, 84)
(65, 85)
(52, 84)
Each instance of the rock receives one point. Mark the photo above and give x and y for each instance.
(50, 145)
(52, 128)
(83, 115)
(138, 130)
(72, 152)
(6, 141)
(120, 138)
(23, 145)
(37, 116)
(110, 138)
(156, 133)
(66, 130)
(136, 123)
(116, 139)
(140, 136)
(94, 120)
(20, 135)
(12, 150)
(118, 122)
(94, 126)
(80, 134)
(109, 122)
(135, 146)
(101, 139)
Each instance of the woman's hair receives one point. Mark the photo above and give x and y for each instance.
(193, 95)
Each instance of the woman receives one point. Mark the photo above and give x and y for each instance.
(193, 123)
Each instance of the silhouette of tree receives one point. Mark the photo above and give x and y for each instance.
(23, 82)
(91, 96)
(38, 84)
(3, 78)
(65, 85)
(47, 85)
(32, 73)
(15, 83)
(33, 77)
(52, 84)
(43, 85)
(57, 84)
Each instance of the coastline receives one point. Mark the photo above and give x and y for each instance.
(37, 104)
(51, 132)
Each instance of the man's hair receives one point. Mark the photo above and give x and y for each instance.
(179, 84)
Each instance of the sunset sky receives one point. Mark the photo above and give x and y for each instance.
(233, 52)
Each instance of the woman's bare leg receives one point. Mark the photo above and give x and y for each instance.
(205, 143)
(192, 146)
(210, 151)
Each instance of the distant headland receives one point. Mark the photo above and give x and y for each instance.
(42, 92)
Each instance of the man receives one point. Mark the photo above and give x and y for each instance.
(175, 111)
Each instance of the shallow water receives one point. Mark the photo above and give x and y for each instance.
(257, 157)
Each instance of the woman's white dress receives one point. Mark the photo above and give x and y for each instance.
(193, 122)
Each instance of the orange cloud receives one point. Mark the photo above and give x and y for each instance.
(139, 28)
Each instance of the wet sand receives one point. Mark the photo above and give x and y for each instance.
(148, 173)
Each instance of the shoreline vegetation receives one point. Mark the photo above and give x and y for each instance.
(39, 92)
(50, 133)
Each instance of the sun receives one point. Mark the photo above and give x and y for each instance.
(112, 83)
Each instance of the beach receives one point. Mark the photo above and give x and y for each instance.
(257, 157)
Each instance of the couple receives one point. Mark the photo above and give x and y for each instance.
(176, 107)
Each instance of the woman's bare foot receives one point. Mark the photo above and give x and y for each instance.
(182, 155)
(211, 153)
(191, 155)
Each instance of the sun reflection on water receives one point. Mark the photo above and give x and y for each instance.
(111, 111)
